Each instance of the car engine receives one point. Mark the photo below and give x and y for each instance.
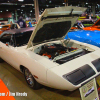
(51, 51)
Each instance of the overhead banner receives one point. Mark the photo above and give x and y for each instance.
(89, 91)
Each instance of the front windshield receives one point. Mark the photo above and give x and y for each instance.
(14, 26)
(77, 26)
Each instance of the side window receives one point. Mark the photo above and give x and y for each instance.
(22, 38)
(7, 38)
(13, 26)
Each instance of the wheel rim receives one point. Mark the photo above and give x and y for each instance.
(29, 77)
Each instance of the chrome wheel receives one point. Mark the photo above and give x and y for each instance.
(30, 80)
(29, 77)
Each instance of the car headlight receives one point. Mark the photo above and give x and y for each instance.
(79, 75)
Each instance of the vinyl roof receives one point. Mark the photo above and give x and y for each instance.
(15, 31)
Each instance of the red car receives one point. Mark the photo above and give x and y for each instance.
(4, 27)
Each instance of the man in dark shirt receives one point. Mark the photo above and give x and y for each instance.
(21, 23)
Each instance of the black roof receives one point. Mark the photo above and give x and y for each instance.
(14, 31)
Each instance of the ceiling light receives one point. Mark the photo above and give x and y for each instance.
(8, 3)
(29, 4)
(23, 6)
(7, 10)
(31, 11)
(86, 3)
(21, 0)
(47, 5)
(0, 11)
(50, 1)
(89, 6)
(18, 9)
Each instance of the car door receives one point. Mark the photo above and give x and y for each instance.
(7, 49)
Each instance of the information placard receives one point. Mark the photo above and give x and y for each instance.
(89, 91)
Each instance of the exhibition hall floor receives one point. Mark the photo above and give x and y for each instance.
(15, 82)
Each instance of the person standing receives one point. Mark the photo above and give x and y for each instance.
(21, 23)
(30, 25)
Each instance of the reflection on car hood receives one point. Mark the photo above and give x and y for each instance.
(54, 24)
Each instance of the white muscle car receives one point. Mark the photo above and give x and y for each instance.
(48, 59)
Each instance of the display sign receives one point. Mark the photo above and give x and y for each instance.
(89, 91)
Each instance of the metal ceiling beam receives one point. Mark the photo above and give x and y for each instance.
(36, 5)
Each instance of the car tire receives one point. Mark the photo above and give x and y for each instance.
(1, 60)
(30, 80)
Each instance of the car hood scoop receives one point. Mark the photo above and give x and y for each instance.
(54, 24)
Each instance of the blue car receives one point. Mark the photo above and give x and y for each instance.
(90, 37)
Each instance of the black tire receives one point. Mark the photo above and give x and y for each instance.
(1, 60)
(30, 80)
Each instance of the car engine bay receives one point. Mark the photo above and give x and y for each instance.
(59, 53)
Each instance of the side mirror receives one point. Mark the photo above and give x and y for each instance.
(7, 43)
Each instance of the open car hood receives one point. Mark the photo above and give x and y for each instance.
(54, 24)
